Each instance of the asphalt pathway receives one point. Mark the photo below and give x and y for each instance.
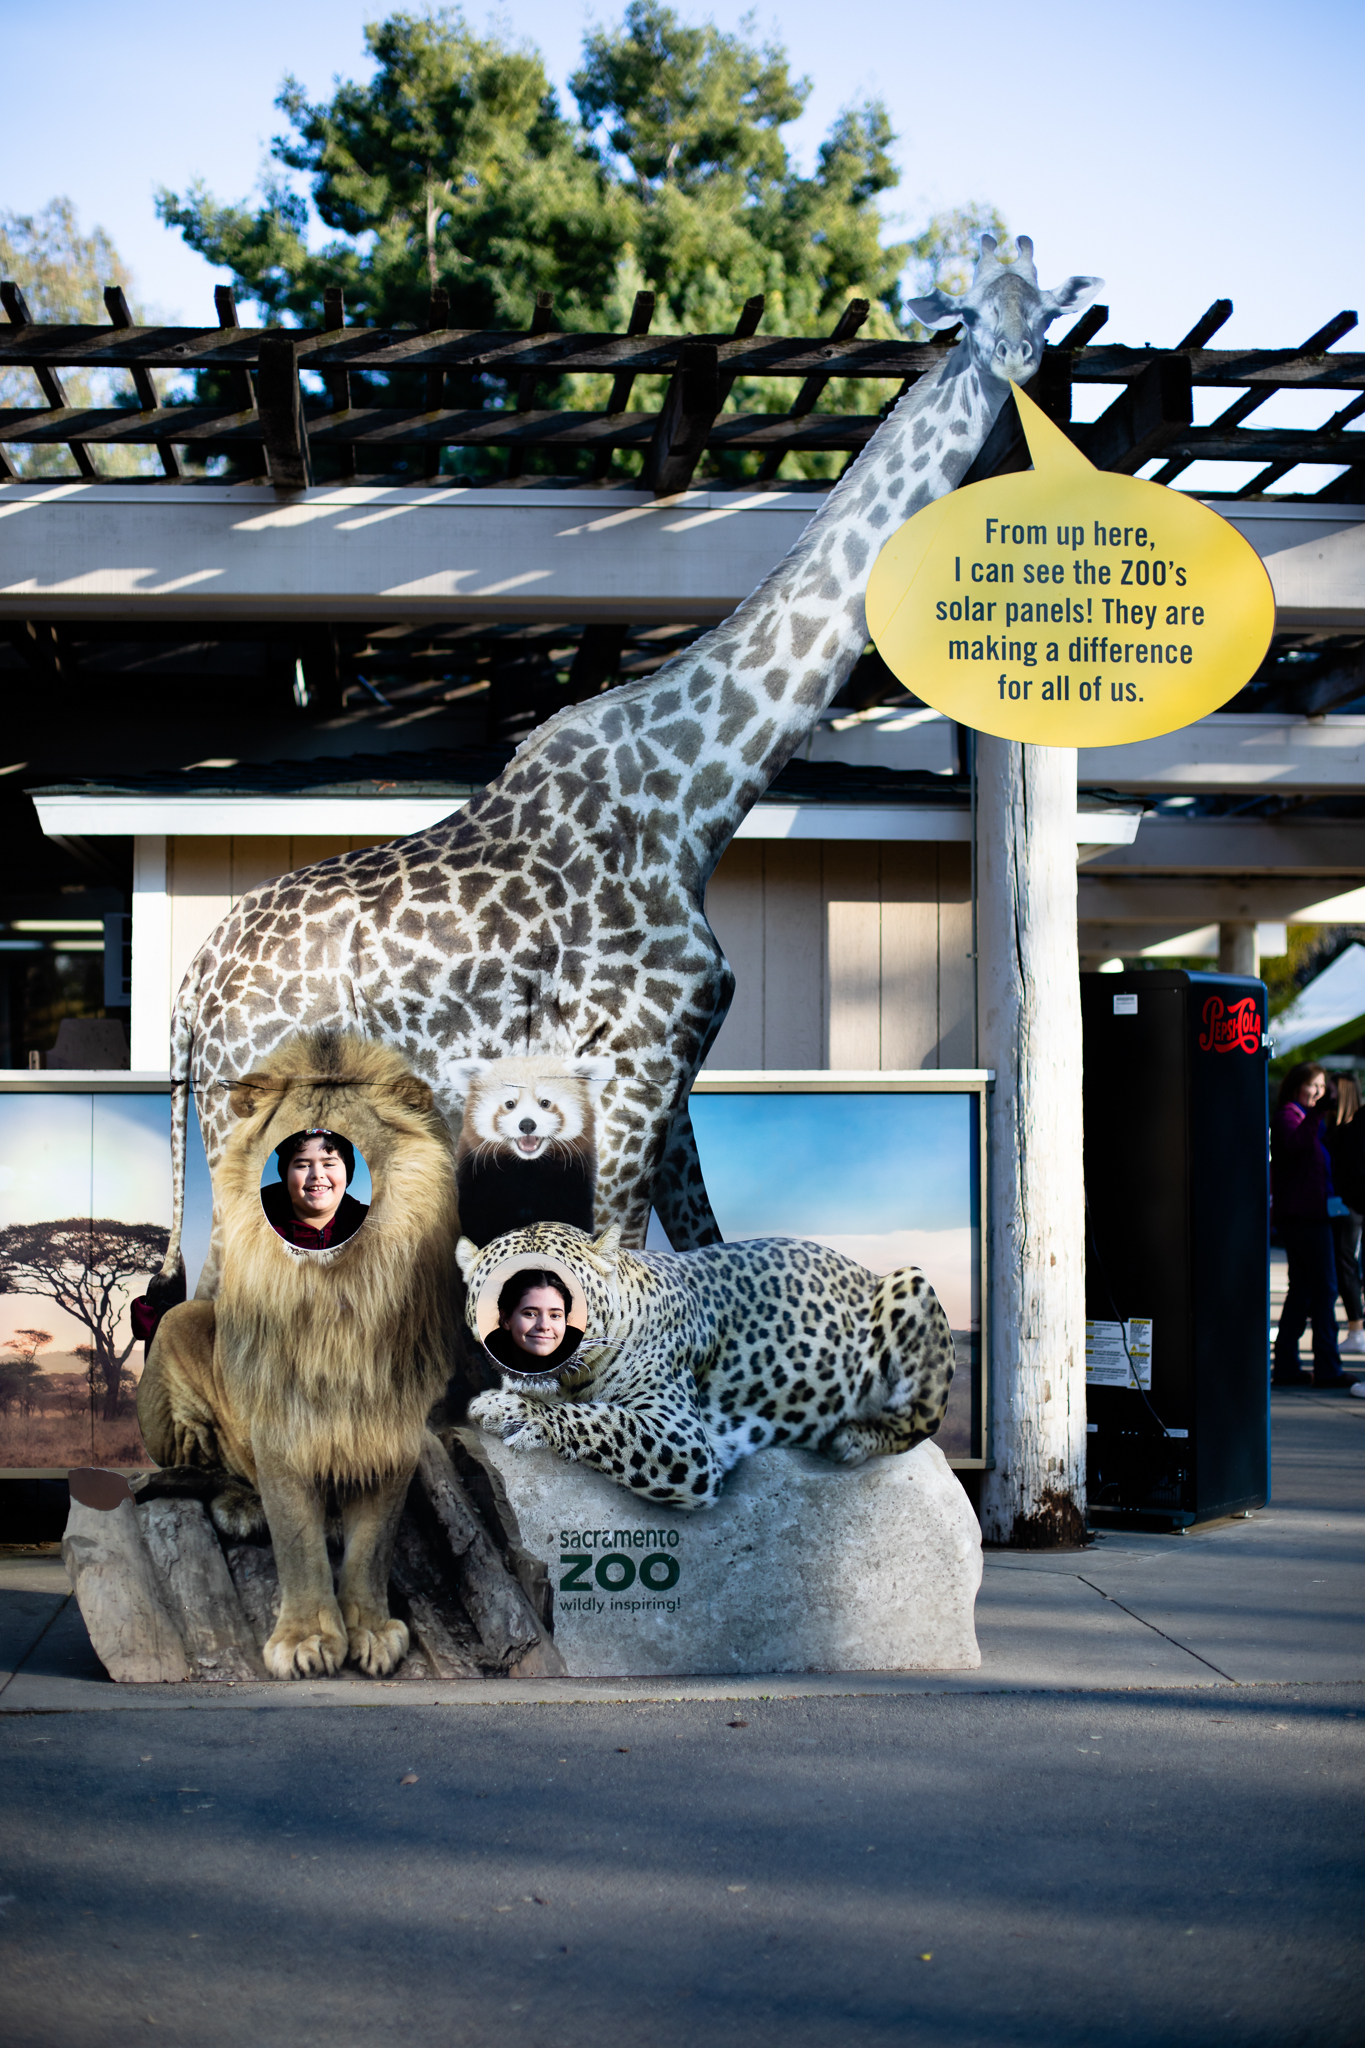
(1141, 1822)
(1162, 1868)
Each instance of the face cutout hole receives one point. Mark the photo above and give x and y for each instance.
(315, 1189)
(535, 1330)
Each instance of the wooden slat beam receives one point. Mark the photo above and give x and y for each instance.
(542, 321)
(1086, 328)
(847, 325)
(382, 428)
(438, 320)
(1275, 470)
(1207, 325)
(243, 383)
(507, 354)
(641, 315)
(338, 382)
(49, 383)
(145, 389)
(1316, 346)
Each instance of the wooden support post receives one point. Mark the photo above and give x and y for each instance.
(1005, 448)
(1144, 419)
(280, 404)
(697, 390)
(1238, 952)
(690, 404)
(596, 661)
(1030, 1012)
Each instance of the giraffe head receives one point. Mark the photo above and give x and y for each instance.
(1004, 312)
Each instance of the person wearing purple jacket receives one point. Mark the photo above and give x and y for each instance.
(1300, 1191)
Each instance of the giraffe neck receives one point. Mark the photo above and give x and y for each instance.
(710, 729)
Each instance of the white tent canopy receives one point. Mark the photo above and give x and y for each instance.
(1333, 998)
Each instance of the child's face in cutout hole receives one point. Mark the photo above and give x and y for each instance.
(316, 1180)
(536, 1324)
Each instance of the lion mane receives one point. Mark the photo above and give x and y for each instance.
(335, 1358)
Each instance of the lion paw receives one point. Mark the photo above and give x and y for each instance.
(237, 1513)
(296, 1651)
(509, 1415)
(378, 1650)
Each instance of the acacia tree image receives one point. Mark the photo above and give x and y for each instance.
(85, 1267)
(20, 1374)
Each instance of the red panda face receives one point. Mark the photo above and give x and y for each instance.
(529, 1117)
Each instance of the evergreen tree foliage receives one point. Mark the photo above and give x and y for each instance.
(454, 166)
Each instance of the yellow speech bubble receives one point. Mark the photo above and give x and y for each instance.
(1068, 606)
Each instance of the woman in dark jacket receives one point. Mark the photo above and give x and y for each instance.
(1300, 1190)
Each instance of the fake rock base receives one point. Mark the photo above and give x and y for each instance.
(801, 1566)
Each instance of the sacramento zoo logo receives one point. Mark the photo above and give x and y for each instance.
(1068, 606)
(602, 1571)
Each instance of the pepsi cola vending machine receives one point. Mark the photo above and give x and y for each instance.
(1177, 1254)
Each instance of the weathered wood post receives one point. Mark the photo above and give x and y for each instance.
(1030, 1027)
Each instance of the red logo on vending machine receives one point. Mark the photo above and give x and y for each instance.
(1230, 1030)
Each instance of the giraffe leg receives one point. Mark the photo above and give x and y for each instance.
(681, 1202)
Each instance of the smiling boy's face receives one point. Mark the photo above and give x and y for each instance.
(316, 1180)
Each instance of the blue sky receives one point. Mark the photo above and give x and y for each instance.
(808, 1165)
(1183, 151)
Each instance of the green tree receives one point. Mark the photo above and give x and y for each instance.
(451, 166)
(62, 274)
(86, 1268)
(454, 166)
(690, 119)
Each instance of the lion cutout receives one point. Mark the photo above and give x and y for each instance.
(312, 1373)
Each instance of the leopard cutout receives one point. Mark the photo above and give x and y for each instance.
(694, 1360)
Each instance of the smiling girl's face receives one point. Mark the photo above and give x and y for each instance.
(316, 1180)
(536, 1324)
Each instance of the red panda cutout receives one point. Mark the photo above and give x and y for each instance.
(528, 1144)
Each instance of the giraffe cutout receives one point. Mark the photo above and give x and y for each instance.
(563, 911)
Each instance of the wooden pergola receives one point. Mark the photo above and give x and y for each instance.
(384, 415)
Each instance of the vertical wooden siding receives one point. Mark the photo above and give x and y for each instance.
(847, 954)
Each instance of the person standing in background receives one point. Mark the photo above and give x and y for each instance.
(1300, 1190)
(1344, 1134)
